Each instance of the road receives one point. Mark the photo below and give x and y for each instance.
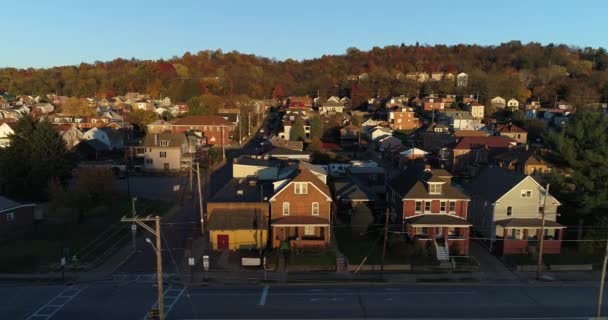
(130, 299)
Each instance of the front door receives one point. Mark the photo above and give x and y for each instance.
(166, 167)
(222, 241)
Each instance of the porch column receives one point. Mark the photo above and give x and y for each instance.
(526, 234)
(538, 235)
(560, 235)
(445, 232)
(504, 233)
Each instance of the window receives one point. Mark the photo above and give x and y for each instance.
(162, 154)
(315, 208)
(442, 207)
(164, 143)
(309, 230)
(301, 188)
(434, 188)
(509, 210)
(418, 206)
(285, 208)
(526, 194)
(452, 207)
(541, 209)
(148, 161)
(10, 216)
(427, 206)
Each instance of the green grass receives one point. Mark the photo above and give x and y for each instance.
(43, 244)
(577, 258)
(312, 258)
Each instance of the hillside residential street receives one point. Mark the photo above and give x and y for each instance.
(129, 299)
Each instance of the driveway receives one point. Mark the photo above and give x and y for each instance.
(489, 265)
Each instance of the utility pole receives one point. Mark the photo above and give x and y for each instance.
(159, 258)
(133, 226)
(542, 235)
(200, 198)
(248, 124)
(223, 148)
(190, 177)
(385, 239)
(601, 296)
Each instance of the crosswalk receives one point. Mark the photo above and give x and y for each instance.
(64, 297)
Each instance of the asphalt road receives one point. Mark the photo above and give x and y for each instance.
(130, 299)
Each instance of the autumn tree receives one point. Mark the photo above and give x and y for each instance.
(77, 107)
(142, 118)
(277, 92)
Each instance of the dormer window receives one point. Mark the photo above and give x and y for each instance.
(301, 188)
(435, 188)
(164, 143)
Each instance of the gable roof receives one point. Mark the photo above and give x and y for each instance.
(201, 121)
(175, 139)
(410, 184)
(509, 128)
(520, 156)
(306, 175)
(8, 204)
(351, 189)
(493, 182)
(489, 142)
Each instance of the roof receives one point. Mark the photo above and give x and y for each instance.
(489, 142)
(283, 143)
(528, 223)
(232, 117)
(306, 175)
(96, 144)
(509, 128)
(470, 133)
(201, 121)
(299, 220)
(235, 219)
(247, 160)
(175, 139)
(493, 182)
(160, 123)
(520, 156)
(116, 135)
(350, 189)
(7, 204)
(413, 151)
(285, 151)
(229, 192)
(436, 219)
(411, 184)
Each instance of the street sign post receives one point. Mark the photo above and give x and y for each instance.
(206, 265)
(63, 261)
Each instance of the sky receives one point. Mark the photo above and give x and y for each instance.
(43, 33)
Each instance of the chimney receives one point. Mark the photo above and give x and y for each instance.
(156, 139)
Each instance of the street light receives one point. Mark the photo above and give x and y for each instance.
(148, 240)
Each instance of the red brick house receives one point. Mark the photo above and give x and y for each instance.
(213, 127)
(478, 150)
(301, 211)
(431, 209)
(403, 119)
(14, 216)
(434, 104)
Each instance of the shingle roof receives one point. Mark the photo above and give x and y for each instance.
(528, 223)
(306, 175)
(175, 140)
(470, 133)
(493, 182)
(233, 219)
(520, 156)
(350, 189)
(410, 185)
(285, 151)
(201, 121)
(490, 142)
(509, 128)
(229, 192)
(7, 204)
(437, 219)
(301, 220)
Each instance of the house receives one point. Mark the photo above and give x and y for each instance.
(387, 143)
(461, 120)
(513, 104)
(462, 79)
(288, 154)
(526, 161)
(6, 130)
(411, 156)
(478, 150)
(217, 129)
(469, 99)
(436, 76)
(476, 109)
(278, 142)
(512, 131)
(263, 168)
(436, 138)
(70, 134)
(368, 174)
(350, 136)
(166, 152)
(301, 211)
(378, 133)
(507, 208)
(370, 124)
(14, 216)
(237, 215)
(331, 107)
(430, 104)
(349, 192)
(300, 101)
(112, 138)
(470, 133)
(431, 209)
(403, 119)
(159, 126)
(498, 102)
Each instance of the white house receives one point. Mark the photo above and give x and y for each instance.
(110, 137)
(513, 104)
(462, 80)
(5, 132)
(71, 135)
(380, 132)
(476, 109)
(498, 102)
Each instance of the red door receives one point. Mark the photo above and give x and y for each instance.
(222, 241)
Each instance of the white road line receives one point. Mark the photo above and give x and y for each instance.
(264, 295)
(170, 297)
(53, 307)
(334, 293)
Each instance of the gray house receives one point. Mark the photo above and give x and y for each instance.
(506, 208)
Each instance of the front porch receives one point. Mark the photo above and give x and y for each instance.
(445, 230)
(301, 232)
(522, 236)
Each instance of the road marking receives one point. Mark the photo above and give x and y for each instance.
(391, 289)
(170, 297)
(53, 306)
(264, 296)
(333, 293)
(316, 290)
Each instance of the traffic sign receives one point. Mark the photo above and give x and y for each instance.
(191, 261)
(206, 263)
(133, 227)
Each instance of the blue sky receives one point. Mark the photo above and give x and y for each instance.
(46, 33)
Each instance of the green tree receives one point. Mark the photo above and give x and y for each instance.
(583, 147)
(316, 128)
(37, 155)
(142, 118)
(297, 132)
(361, 220)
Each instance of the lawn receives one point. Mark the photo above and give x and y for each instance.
(556, 259)
(312, 258)
(41, 247)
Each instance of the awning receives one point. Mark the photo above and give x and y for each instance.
(528, 223)
(296, 221)
(437, 220)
